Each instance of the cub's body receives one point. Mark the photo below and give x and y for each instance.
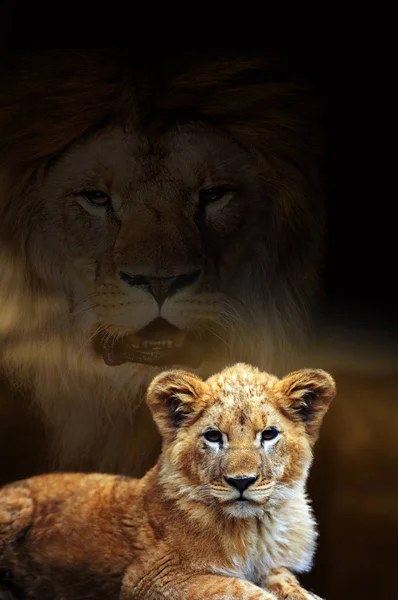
(189, 529)
(91, 528)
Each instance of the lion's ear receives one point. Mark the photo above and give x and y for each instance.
(307, 395)
(175, 399)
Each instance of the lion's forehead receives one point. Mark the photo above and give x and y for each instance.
(243, 382)
(184, 155)
(244, 400)
(243, 419)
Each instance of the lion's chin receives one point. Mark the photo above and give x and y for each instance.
(159, 344)
(243, 510)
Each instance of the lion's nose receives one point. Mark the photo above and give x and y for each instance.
(241, 483)
(160, 287)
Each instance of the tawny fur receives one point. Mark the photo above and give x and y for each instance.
(182, 532)
(69, 119)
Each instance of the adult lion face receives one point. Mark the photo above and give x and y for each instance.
(155, 231)
(182, 223)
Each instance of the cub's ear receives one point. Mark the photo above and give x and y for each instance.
(175, 399)
(307, 395)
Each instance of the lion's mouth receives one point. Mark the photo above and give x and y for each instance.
(158, 344)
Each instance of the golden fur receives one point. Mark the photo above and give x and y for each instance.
(188, 529)
(71, 120)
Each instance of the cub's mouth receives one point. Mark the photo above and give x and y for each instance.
(159, 344)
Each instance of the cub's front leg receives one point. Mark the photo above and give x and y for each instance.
(165, 581)
(284, 585)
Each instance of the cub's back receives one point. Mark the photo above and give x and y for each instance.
(72, 530)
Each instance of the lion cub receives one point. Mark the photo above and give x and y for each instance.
(222, 515)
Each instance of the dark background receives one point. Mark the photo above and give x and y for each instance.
(349, 60)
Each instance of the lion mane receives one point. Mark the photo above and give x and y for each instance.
(53, 101)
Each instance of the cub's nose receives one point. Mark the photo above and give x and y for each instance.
(241, 483)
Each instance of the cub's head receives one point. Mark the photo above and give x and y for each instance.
(240, 441)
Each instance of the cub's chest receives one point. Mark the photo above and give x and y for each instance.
(288, 540)
(264, 548)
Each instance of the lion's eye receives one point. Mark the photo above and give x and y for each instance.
(213, 436)
(96, 198)
(214, 194)
(269, 434)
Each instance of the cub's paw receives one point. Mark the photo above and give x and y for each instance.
(302, 595)
(298, 595)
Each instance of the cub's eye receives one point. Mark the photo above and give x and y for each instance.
(214, 194)
(213, 436)
(96, 198)
(269, 434)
